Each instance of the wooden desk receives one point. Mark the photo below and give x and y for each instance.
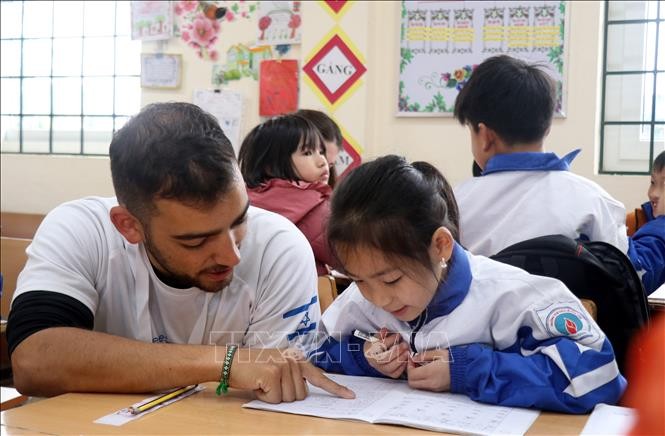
(205, 413)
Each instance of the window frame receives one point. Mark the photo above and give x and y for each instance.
(78, 140)
(605, 74)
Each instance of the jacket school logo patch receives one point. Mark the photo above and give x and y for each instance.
(565, 320)
(567, 323)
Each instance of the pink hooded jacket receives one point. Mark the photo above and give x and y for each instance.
(307, 205)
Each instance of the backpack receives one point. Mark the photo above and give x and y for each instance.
(596, 271)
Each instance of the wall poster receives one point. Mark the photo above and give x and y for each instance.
(151, 20)
(441, 42)
(278, 87)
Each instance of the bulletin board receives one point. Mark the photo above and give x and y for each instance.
(441, 42)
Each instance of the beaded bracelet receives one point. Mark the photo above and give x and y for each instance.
(226, 370)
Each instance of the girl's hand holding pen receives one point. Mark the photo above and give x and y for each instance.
(389, 355)
(430, 370)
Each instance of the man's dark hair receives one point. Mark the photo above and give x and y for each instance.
(171, 151)
(513, 98)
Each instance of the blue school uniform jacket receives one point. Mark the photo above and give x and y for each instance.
(525, 195)
(647, 252)
(522, 196)
(514, 339)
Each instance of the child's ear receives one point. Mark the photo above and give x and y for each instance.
(127, 224)
(442, 244)
(487, 138)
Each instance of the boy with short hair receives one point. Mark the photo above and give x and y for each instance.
(525, 192)
(647, 243)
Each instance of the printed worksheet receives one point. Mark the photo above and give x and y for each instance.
(394, 402)
(606, 419)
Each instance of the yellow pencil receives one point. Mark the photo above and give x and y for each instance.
(135, 410)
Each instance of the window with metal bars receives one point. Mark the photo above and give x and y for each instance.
(633, 97)
(70, 75)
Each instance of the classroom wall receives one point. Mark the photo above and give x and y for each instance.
(36, 184)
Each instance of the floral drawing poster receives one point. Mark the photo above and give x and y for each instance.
(442, 42)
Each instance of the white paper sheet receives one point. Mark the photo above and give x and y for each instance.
(227, 107)
(394, 402)
(658, 296)
(609, 420)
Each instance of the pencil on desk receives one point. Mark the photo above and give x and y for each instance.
(135, 410)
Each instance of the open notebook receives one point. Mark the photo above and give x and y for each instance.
(394, 402)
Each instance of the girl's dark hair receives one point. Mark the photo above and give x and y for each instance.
(328, 128)
(512, 97)
(392, 206)
(171, 150)
(659, 162)
(330, 132)
(266, 151)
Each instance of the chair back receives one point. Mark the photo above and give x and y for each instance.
(19, 225)
(634, 220)
(12, 261)
(327, 291)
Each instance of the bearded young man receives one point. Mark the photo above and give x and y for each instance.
(155, 288)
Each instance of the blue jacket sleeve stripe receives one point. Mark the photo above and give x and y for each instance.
(561, 376)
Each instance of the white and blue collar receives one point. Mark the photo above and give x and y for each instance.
(454, 288)
(529, 161)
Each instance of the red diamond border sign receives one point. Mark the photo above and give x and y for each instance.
(356, 160)
(335, 5)
(335, 41)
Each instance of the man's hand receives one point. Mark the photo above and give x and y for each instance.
(276, 376)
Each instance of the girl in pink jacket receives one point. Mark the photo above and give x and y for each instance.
(283, 162)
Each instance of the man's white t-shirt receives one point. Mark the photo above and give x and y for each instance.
(271, 301)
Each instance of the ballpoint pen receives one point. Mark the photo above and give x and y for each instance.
(135, 410)
(365, 336)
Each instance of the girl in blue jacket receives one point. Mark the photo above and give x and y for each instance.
(443, 318)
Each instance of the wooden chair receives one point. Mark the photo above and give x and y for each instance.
(19, 225)
(327, 291)
(590, 307)
(634, 220)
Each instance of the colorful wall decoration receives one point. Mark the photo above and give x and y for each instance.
(334, 68)
(278, 87)
(349, 157)
(151, 20)
(442, 42)
(279, 22)
(200, 31)
(337, 8)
